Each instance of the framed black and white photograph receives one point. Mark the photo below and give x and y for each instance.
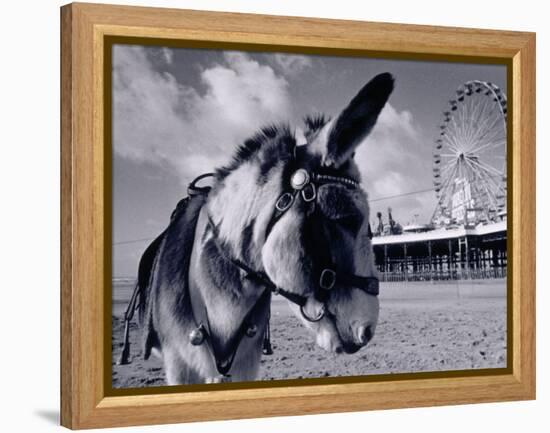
(289, 216)
(315, 223)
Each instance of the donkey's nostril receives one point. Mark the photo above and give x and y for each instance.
(364, 334)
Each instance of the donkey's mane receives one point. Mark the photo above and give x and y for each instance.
(278, 139)
(314, 123)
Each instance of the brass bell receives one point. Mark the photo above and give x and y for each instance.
(197, 336)
(251, 331)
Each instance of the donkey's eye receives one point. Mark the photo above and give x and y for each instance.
(338, 204)
(351, 223)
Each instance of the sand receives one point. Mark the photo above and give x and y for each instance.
(422, 327)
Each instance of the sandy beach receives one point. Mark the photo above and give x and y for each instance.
(422, 327)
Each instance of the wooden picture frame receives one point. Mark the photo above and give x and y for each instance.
(85, 402)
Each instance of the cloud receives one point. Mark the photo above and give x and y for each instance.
(168, 55)
(395, 159)
(244, 92)
(158, 120)
(290, 64)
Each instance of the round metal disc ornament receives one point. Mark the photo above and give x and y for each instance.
(197, 336)
(299, 179)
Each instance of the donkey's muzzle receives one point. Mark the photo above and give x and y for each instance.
(351, 348)
(363, 335)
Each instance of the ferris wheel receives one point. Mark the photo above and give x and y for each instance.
(469, 157)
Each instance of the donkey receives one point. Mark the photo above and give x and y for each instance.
(281, 217)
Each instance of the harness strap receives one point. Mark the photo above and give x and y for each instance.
(263, 279)
(128, 315)
(266, 347)
(370, 285)
(193, 189)
(224, 361)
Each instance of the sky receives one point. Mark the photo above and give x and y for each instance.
(178, 113)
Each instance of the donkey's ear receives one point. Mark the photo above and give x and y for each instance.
(342, 135)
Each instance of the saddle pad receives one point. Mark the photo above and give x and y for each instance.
(182, 226)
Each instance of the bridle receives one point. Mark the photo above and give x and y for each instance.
(304, 184)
